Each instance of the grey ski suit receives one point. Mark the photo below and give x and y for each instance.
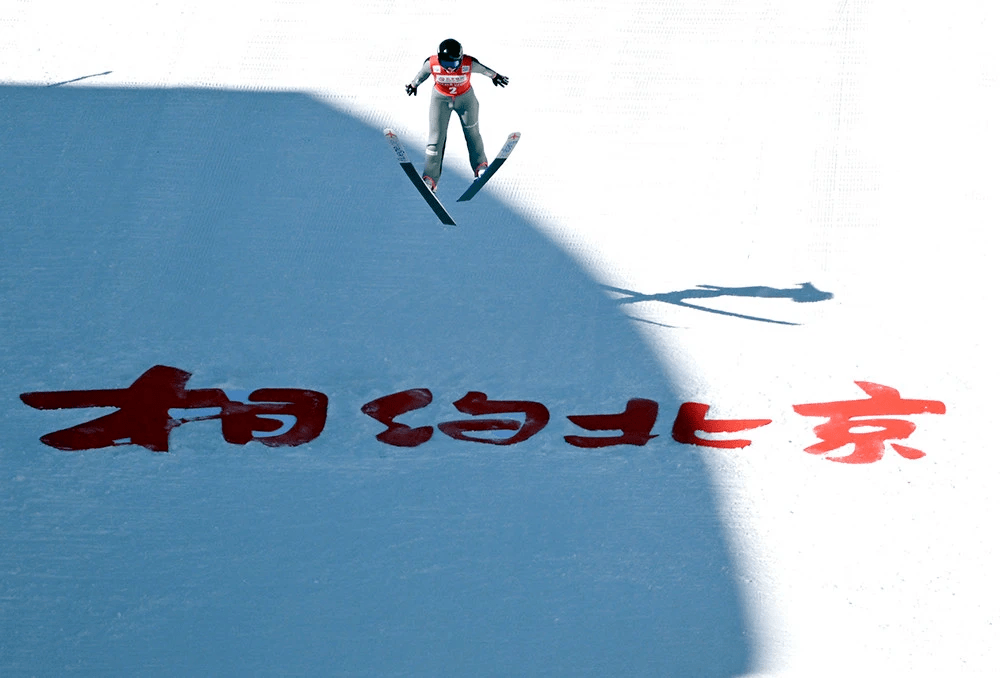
(442, 106)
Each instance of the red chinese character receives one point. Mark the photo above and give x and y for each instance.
(635, 423)
(536, 416)
(143, 416)
(387, 408)
(869, 446)
(269, 411)
(691, 419)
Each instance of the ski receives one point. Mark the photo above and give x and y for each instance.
(411, 172)
(492, 169)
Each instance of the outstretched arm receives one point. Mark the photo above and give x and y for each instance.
(422, 74)
(500, 80)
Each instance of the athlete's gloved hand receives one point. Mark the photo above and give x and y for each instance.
(500, 80)
(411, 90)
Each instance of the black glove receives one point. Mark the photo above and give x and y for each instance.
(411, 90)
(500, 80)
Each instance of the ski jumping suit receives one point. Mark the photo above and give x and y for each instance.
(452, 92)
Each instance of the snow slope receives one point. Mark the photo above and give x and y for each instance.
(215, 195)
(263, 240)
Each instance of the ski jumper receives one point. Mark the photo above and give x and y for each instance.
(452, 92)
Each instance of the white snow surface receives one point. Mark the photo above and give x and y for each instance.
(217, 197)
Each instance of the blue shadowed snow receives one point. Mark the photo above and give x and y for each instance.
(265, 240)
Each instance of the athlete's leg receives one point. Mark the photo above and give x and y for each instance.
(440, 113)
(467, 107)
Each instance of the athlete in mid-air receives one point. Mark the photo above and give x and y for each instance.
(452, 71)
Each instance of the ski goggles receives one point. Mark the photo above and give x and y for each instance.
(450, 64)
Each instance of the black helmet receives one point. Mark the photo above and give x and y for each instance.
(450, 50)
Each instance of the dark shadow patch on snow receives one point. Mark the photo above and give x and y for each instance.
(804, 293)
(266, 240)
